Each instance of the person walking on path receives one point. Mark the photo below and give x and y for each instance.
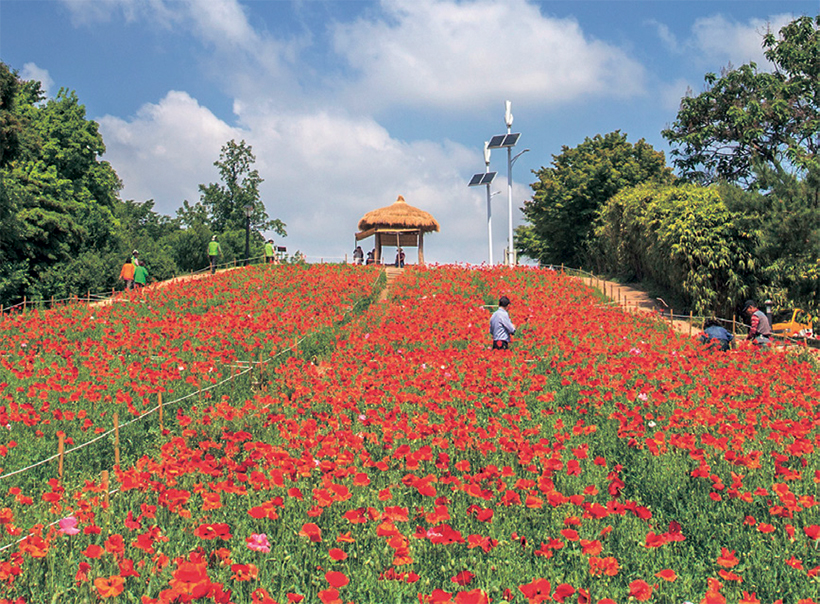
(501, 327)
(214, 250)
(715, 335)
(761, 330)
(127, 274)
(140, 275)
(270, 253)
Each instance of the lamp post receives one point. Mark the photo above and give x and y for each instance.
(508, 141)
(248, 208)
(486, 178)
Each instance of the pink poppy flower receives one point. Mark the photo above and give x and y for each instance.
(68, 526)
(258, 542)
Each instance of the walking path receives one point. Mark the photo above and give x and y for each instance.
(638, 301)
(392, 274)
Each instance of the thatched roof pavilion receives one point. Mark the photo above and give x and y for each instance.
(398, 224)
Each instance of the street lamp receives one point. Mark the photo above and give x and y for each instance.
(248, 208)
(486, 178)
(508, 141)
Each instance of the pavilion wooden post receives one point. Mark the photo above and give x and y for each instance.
(421, 248)
(378, 256)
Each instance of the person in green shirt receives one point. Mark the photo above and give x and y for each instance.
(270, 254)
(140, 276)
(214, 250)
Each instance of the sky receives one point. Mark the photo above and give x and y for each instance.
(348, 104)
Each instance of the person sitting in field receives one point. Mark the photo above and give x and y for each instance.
(715, 335)
(760, 331)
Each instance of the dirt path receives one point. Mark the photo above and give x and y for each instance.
(392, 274)
(638, 301)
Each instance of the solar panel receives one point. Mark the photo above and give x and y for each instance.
(482, 178)
(495, 142)
(504, 140)
(511, 139)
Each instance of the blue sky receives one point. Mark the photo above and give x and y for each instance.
(348, 104)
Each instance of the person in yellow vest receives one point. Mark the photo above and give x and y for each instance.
(214, 250)
(270, 252)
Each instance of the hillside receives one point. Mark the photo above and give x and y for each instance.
(312, 445)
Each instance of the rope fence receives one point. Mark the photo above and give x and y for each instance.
(245, 367)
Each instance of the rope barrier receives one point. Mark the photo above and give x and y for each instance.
(248, 369)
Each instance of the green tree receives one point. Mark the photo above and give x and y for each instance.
(683, 238)
(60, 196)
(10, 124)
(224, 203)
(748, 116)
(568, 195)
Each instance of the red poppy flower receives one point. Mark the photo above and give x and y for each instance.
(640, 590)
(110, 587)
(336, 579)
(330, 596)
(667, 575)
(93, 551)
(311, 531)
(563, 591)
(536, 591)
(727, 559)
(465, 577)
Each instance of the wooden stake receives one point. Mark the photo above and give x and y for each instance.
(671, 312)
(61, 453)
(690, 322)
(116, 439)
(161, 426)
(106, 487)
(734, 328)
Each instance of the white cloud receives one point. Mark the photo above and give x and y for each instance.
(670, 95)
(719, 39)
(32, 72)
(443, 53)
(665, 34)
(323, 171)
(166, 150)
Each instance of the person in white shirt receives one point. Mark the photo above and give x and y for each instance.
(501, 327)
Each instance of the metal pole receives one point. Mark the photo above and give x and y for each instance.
(510, 249)
(247, 239)
(489, 224)
(489, 205)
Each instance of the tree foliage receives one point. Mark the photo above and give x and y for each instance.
(568, 195)
(748, 116)
(683, 238)
(224, 202)
(64, 229)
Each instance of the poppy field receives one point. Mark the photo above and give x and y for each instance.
(316, 446)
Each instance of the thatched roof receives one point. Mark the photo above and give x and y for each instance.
(399, 215)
